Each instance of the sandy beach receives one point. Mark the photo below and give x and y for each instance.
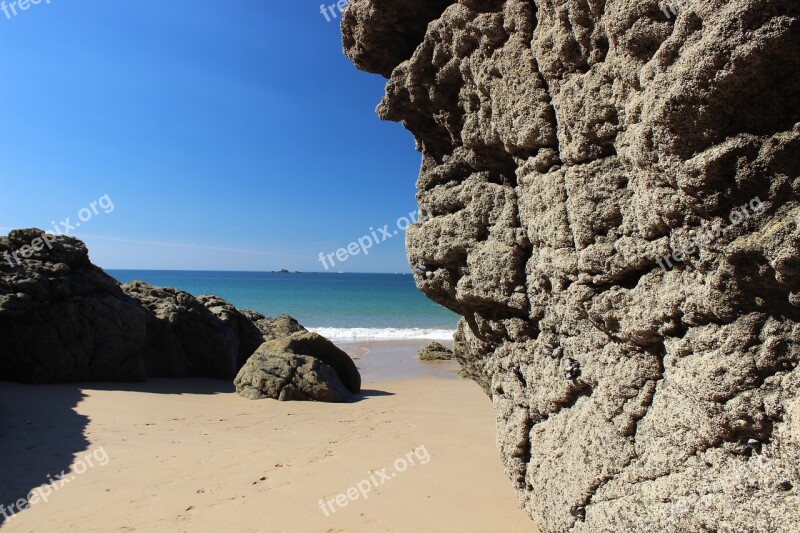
(191, 455)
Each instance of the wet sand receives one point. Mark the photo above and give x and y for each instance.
(388, 360)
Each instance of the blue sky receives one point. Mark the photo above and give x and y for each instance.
(228, 135)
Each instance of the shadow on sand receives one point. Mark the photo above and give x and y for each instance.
(366, 394)
(41, 433)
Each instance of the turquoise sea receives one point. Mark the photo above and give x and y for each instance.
(340, 306)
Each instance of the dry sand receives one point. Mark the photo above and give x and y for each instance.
(191, 455)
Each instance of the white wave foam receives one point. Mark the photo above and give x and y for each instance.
(361, 334)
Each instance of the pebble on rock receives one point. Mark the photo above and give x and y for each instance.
(579, 513)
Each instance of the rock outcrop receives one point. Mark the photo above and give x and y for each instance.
(62, 319)
(435, 352)
(188, 336)
(614, 209)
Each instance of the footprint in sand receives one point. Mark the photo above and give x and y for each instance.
(317, 458)
(183, 518)
(369, 519)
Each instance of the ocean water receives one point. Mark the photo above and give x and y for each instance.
(342, 307)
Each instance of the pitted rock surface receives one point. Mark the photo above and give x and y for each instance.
(567, 147)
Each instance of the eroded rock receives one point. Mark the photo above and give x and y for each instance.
(568, 148)
(310, 344)
(274, 327)
(188, 336)
(289, 377)
(435, 352)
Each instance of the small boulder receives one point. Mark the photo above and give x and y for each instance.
(435, 352)
(315, 345)
(289, 377)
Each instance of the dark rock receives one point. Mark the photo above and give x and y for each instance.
(572, 369)
(435, 352)
(62, 319)
(188, 336)
(249, 334)
(579, 513)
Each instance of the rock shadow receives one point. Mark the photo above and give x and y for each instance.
(41, 434)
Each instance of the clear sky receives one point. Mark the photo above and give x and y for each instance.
(227, 135)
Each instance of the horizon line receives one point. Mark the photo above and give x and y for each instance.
(256, 271)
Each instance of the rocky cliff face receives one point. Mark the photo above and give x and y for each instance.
(615, 210)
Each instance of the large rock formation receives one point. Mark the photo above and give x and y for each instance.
(62, 319)
(568, 148)
(187, 336)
